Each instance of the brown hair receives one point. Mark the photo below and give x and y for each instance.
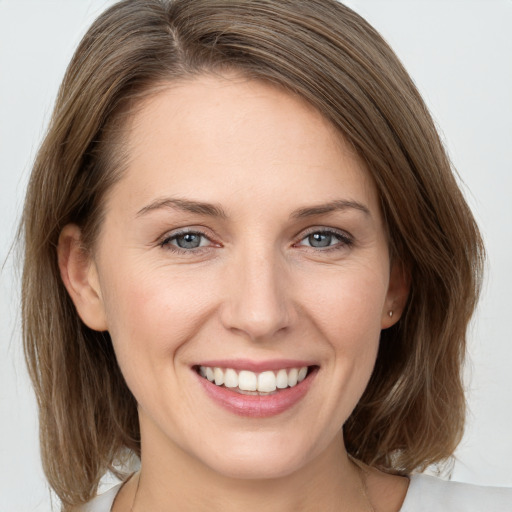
(412, 412)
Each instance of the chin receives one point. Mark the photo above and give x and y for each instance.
(257, 468)
(260, 458)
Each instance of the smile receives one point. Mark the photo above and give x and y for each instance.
(252, 383)
(265, 390)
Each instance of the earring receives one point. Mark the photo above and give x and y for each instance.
(390, 313)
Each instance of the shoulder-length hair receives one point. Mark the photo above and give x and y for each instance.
(412, 412)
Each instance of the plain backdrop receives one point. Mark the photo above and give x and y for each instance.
(459, 53)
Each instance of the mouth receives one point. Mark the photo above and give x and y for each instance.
(247, 382)
(264, 390)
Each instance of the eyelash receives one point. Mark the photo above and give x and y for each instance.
(166, 243)
(344, 240)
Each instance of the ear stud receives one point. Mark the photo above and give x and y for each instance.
(390, 313)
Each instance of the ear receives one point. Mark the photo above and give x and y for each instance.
(80, 277)
(396, 298)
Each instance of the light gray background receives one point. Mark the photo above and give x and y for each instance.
(459, 52)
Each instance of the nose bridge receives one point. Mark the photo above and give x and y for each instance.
(257, 302)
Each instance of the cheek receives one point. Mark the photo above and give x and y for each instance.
(151, 316)
(347, 305)
(152, 313)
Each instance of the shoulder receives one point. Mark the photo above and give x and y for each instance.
(103, 502)
(427, 493)
(424, 493)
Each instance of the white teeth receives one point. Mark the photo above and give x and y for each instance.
(219, 376)
(282, 379)
(267, 382)
(245, 380)
(230, 378)
(292, 377)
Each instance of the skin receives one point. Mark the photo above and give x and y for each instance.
(255, 289)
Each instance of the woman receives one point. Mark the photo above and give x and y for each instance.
(245, 258)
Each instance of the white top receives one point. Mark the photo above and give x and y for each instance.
(425, 494)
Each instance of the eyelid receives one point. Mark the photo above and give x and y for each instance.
(165, 240)
(346, 239)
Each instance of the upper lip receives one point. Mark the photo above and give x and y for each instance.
(256, 366)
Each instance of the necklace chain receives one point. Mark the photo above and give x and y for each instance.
(360, 470)
(363, 476)
(136, 492)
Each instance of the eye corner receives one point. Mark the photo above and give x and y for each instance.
(324, 237)
(198, 241)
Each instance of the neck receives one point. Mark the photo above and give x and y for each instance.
(171, 479)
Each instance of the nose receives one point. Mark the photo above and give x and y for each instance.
(257, 302)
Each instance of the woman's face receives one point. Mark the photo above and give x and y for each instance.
(245, 236)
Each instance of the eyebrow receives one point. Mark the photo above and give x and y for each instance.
(186, 205)
(213, 210)
(333, 206)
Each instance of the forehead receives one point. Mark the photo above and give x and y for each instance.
(216, 137)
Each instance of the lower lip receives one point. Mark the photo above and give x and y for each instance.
(258, 406)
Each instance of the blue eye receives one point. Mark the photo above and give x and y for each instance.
(324, 239)
(320, 239)
(189, 240)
